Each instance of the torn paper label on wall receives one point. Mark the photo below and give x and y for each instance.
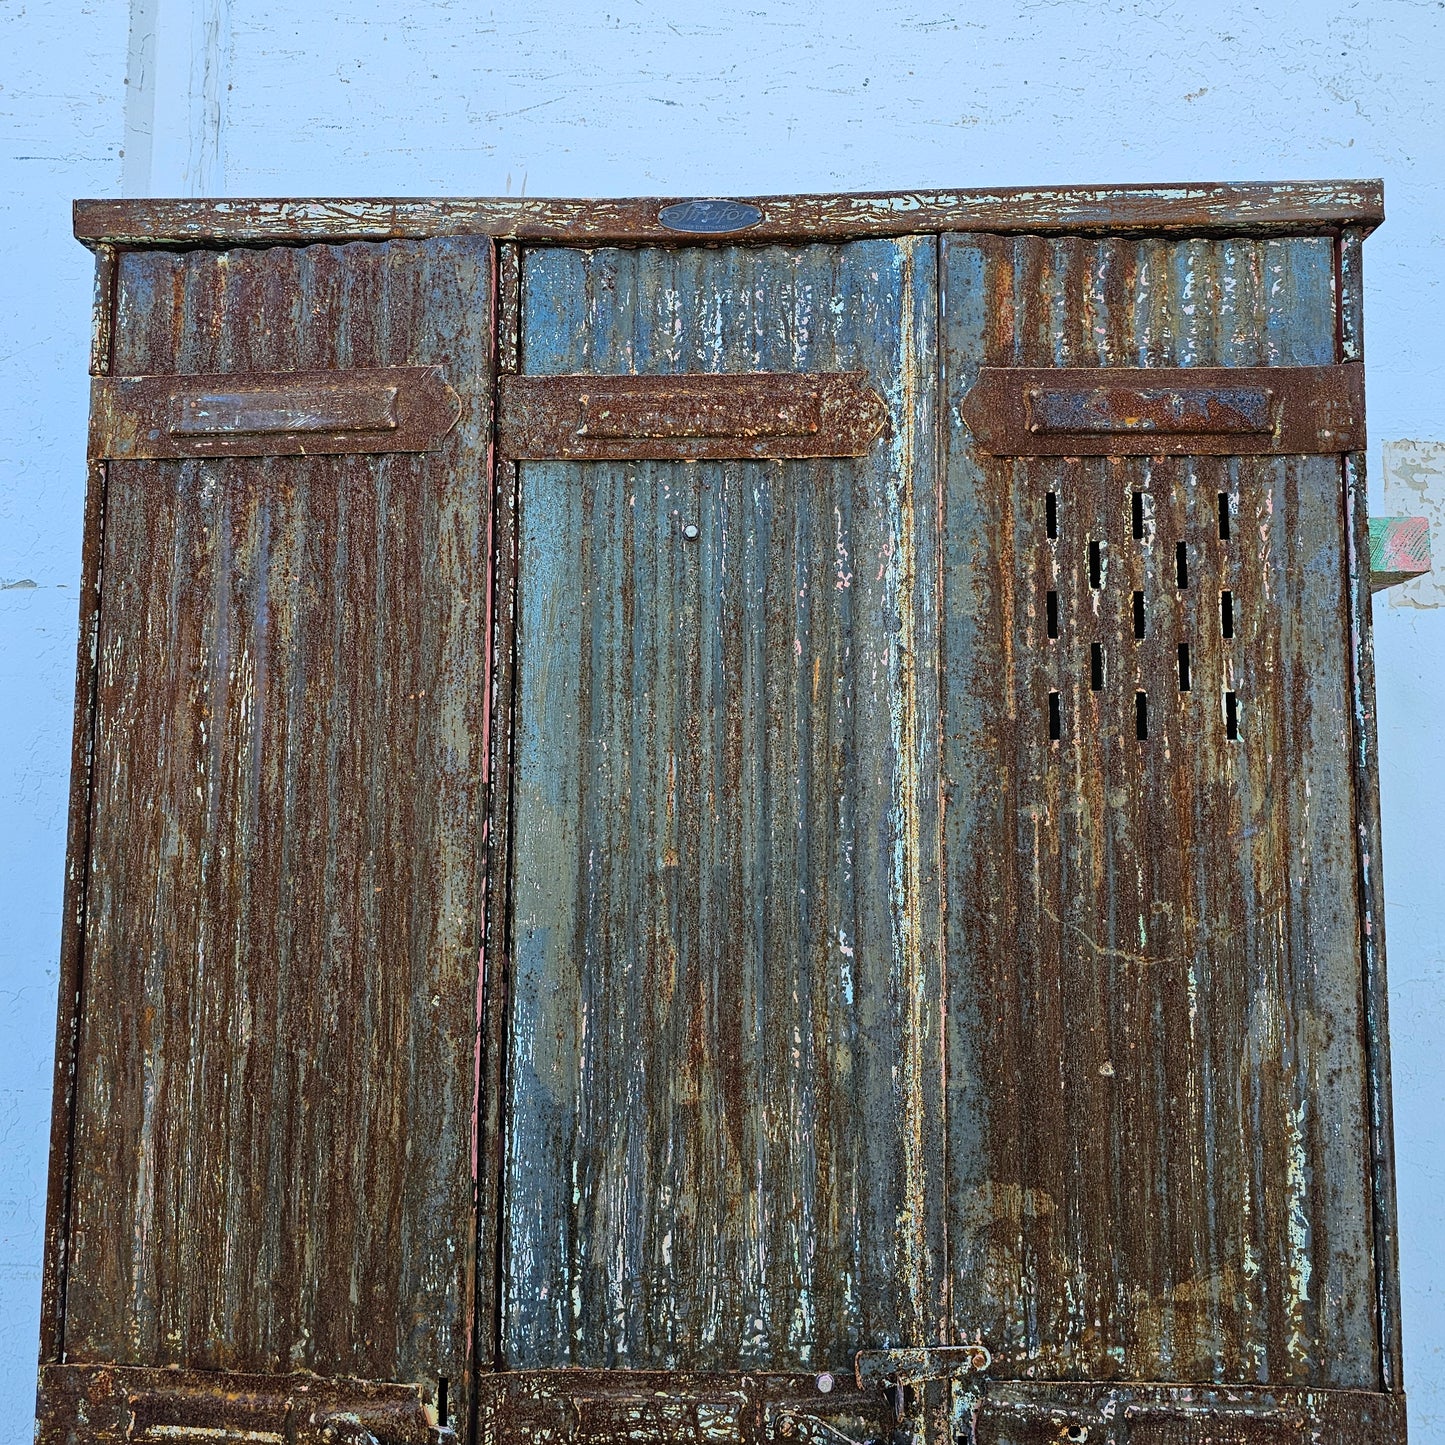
(1414, 473)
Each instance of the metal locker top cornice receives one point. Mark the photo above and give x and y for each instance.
(1193, 209)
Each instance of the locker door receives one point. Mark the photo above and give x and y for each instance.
(1156, 1046)
(724, 1140)
(271, 1211)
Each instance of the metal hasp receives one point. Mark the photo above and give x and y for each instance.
(1167, 411)
(913, 1367)
(691, 417)
(271, 414)
(727, 822)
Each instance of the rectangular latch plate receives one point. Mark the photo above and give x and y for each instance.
(271, 414)
(694, 416)
(1018, 411)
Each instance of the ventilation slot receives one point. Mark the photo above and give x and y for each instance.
(1051, 608)
(1096, 565)
(441, 1399)
(1141, 716)
(1138, 614)
(1226, 613)
(1054, 728)
(1096, 666)
(1138, 515)
(1181, 565)
(1231, 717)
(1051, 515)
(1224, 516)
(1183, 667)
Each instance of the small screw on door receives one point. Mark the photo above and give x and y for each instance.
(690, 531)
(824, 1383)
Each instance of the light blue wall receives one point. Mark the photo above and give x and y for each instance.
(435, 97)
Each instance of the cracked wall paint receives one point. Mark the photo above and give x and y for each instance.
(1414, 478)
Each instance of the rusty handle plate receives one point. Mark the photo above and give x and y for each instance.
(271, 414)
(694, 416)
(1164, 411)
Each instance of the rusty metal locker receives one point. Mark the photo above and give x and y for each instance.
(726, 821)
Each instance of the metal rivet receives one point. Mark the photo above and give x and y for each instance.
(690, 531)
(825, 1383)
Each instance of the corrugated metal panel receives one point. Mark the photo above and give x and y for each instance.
(275, 1099)
(725, 1145)
(1156, 1071)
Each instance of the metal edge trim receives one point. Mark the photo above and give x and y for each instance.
(1183, 208)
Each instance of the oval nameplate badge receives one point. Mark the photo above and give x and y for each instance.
(709, 217)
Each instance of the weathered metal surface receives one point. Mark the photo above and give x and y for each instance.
(102, 322)
(77, 849)
(275, 1093)
(849, 986)
(1310, 207)
(271, 413)
(696, 417)
(1366, 765)
(1399, 550)
(1035, 1413)
(725, 1035)
(1166, 411)
(496, 969)
(912, 1367)
(575, 1407)
(106, 1404)
(1157, 1078)
(600, 1407)
(72, 926)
